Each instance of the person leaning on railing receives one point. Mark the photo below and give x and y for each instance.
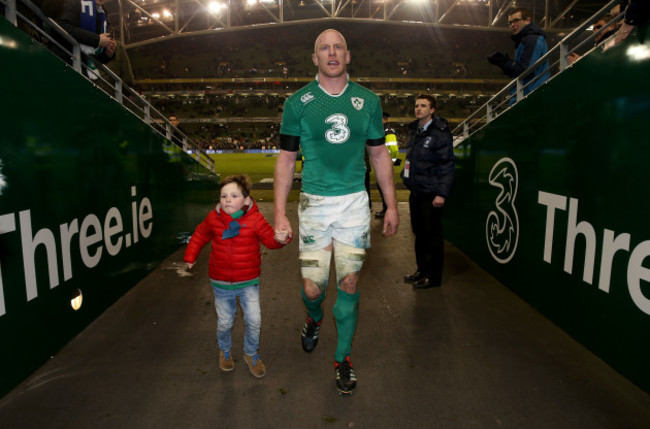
(636, 14)
(603, 35)
(530, 46)
(87, 23)
(88, 26)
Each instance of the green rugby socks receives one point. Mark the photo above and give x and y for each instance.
(314, 307)
(346, 310)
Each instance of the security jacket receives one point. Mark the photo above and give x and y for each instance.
(430, 165)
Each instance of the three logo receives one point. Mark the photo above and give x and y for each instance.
(502, 224)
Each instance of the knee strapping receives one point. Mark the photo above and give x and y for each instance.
(347, 259)
(315, 265)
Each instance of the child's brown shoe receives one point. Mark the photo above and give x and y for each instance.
(226, 363)
(255, 365)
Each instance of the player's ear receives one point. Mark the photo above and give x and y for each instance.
(314, 58)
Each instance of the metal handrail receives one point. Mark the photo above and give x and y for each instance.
(513, 92)
(133, 101)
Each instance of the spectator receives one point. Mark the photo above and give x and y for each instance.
(87, 23)
(604, 34)
(530, 46)
(429, 174)
(637, 13)
(175, 141)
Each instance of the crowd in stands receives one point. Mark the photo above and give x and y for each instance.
(219, 122)
(234, 136)
(191, 107)
(380, 50)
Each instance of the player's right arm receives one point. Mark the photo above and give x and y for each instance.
(282, 181)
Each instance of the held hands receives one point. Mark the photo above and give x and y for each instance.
(498, 59)
(282, 229)
(282, 235)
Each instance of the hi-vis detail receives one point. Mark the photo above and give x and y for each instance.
(502, 225)
(93, 235)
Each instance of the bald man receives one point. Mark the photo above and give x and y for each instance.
(333, 122)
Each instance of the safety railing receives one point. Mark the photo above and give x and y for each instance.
(31, 17)
(521, 87)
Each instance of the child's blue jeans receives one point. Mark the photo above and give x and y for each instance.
(225, 301)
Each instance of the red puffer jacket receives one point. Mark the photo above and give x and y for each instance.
(235, 259)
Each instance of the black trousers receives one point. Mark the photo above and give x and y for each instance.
(426, 223)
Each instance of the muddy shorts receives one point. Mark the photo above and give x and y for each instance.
(345, 218)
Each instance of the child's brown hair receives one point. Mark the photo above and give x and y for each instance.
(243, 183)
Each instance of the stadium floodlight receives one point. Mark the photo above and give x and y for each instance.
(215, 6)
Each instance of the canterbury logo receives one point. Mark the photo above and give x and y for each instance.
(357, 103)
(306, 98)
(502, 225)
(308, 239)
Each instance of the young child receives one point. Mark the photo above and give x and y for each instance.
(236, 228)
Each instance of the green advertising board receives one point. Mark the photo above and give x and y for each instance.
(554, 201)
(91, 200)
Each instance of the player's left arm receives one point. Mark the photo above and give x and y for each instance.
(383, 166)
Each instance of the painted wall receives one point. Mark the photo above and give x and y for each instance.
(90, 199)
(554, 201)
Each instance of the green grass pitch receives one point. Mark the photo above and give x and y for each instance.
(260, 166)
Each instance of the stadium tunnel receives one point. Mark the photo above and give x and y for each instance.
(549, 203)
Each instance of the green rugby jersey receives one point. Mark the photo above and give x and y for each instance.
(333, 131)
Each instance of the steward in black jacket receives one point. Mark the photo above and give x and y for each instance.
(430, 165)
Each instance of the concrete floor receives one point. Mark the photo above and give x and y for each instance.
(470, 354)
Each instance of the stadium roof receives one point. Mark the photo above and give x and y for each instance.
(141, 22)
